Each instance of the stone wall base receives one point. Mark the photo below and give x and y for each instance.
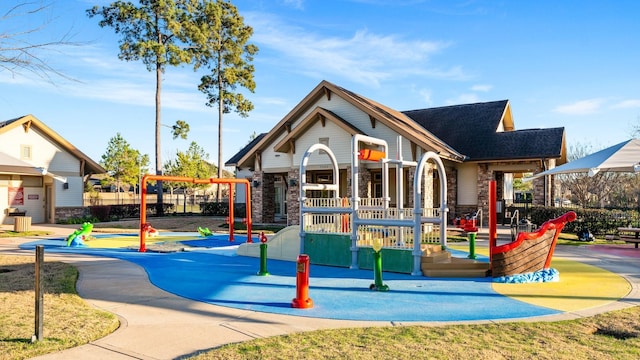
(70, 212)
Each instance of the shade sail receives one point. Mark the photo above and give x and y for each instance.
(623, 157)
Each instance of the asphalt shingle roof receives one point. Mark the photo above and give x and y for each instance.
(235, 158)
(472, 129)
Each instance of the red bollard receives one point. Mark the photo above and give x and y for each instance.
(302, 300)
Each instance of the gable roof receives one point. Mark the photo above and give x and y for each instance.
(395, 120)
(30, 121)
(240, 154)
(318, 114)
(485, 131)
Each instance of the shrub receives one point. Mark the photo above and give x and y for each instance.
(101, 212)
(215, 209)
(80, 220)
(598, 221)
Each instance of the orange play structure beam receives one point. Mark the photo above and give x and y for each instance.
(143, 201)
(371, 155)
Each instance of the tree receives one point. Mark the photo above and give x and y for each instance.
(219, 42)
(124, 164)
(151, 32)
(585, 190)
(191, 163)
(520, 185)
(180, 129)
(18, 52)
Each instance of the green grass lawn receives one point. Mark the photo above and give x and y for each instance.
(71, 322)
(68, 320)
(614, 335)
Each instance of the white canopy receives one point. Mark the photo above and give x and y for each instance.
(623, 157)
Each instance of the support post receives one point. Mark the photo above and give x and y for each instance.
(493, 226)
(39, 290)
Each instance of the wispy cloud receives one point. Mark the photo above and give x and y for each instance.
(627, 104)
(101, 76)
(481, 88)
(362, 57)
(463, 99)
(582, 107)
(426, 95)
(296, 4)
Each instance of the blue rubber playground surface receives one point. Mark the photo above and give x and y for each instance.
(211, 272)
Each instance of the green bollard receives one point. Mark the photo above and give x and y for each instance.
(472, 244)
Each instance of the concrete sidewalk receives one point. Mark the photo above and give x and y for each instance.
(159, 325)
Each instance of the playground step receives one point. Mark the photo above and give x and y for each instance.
(455, 273)
(454, 267)
(431, 249)
(456, 263)
(437, 257)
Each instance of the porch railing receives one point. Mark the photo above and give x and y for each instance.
(392, 236)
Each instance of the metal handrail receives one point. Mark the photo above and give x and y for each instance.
(479, 218)
(514, 227)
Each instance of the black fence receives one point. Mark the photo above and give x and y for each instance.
(597, 221)
(126, 211)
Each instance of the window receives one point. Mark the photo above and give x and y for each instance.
(25, 152)
(324, 141)
(376, 183)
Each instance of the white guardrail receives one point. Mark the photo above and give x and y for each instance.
(392, 236)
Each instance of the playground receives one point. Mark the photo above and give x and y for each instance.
(348, 241)
(208, 269)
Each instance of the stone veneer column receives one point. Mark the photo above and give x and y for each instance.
(349, 187)
(268, 198)
(256, 197)
(293, 197)
(410, 175)
(364, 182)
(452, 195)
(539, 188)
(484, 177)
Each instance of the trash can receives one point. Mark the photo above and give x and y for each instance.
(22, 223)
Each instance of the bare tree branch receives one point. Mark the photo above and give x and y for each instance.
(19, 52)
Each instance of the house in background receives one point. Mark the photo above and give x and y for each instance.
(42, 175)
(476, 142)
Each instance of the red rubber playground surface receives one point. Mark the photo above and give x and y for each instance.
(618, 250)
(210, 271)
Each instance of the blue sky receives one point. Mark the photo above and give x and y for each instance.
(571, 64)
